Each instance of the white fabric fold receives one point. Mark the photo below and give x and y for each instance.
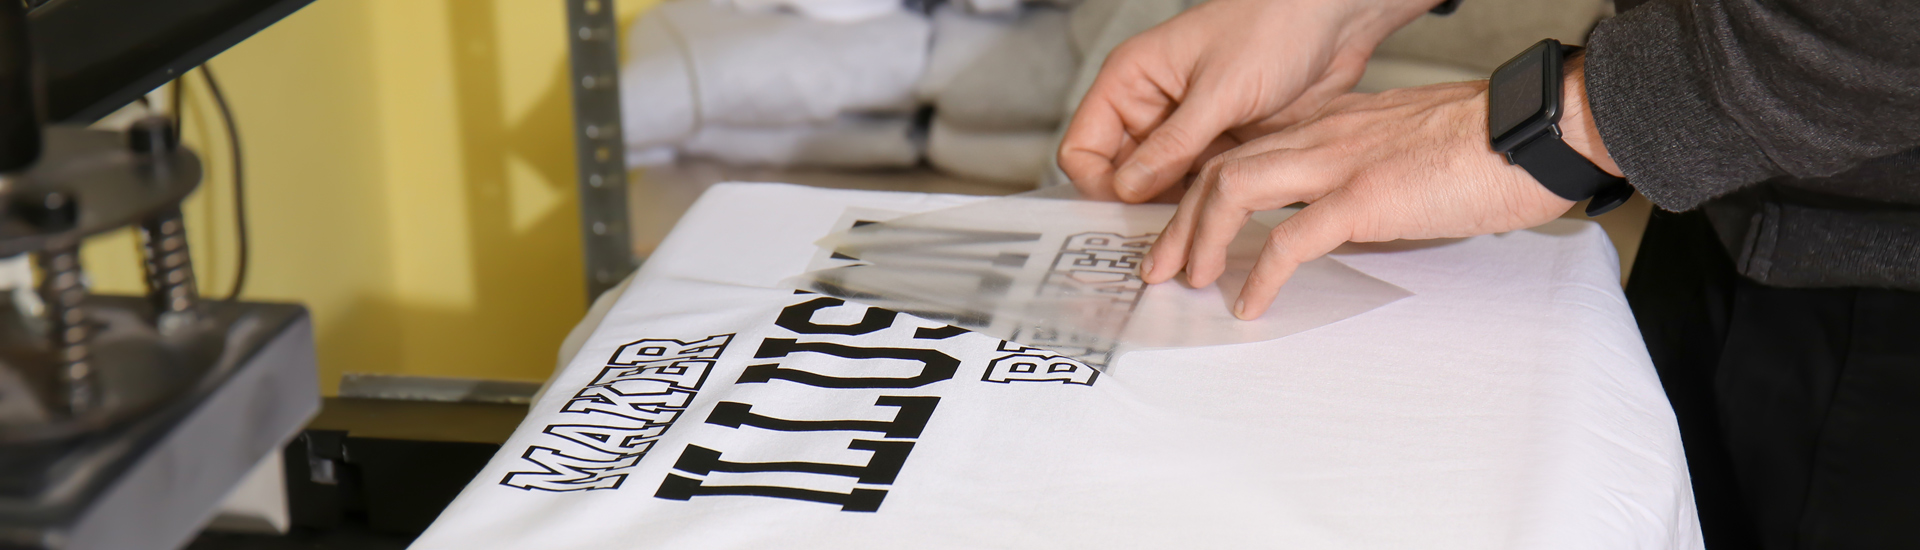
(998, 7)
(1018, 82)
(692, 63)
(1019, 156)
(959, 39)
(838, 11)
(844, 142)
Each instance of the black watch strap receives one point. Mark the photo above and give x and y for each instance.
(1570, 175)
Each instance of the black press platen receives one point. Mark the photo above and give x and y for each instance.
(19, 108)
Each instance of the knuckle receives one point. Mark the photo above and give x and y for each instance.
(1217, 162)
(1210, 170)
(1277, 243)
(1235, 181)
(1076, 133)
(1172, 137)
(1230, 188)
(1128, 48)
(1286, 244)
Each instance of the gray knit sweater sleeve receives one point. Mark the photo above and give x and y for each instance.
(1698, 98)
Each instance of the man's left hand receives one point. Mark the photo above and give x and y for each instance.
(1412, 163)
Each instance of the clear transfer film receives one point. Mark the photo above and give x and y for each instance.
(1049, 270)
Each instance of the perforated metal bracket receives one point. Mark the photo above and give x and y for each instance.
(594, 53)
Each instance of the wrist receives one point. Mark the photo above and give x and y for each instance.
(1577, 128)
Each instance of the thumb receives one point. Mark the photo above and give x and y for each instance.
(1164, 158)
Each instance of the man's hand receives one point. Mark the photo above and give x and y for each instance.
(1213, 77)
(1405, 164)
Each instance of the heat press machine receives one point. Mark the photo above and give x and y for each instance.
(124, 420)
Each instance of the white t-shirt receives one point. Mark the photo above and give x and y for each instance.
(1508, 403)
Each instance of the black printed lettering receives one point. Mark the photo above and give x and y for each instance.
(559, 472)
(846, 282)
(630, 404)
(655, 408)
(932, 243)
(1099, 273)
(1036, 367)
(907, 423)
(613, 440)
(934, 365)
(1029, 364)
(881, 469)
(687, 374)
(799, 318)
(940, 333)
(677, 487)
(656, 351)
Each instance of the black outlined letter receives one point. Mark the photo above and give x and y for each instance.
(888, 458)
(934, 365)
(908, 423)
(677, 487)
(567, 473)
(799, 318)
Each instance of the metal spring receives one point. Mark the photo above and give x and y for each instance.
(170, 282)
(68, 329)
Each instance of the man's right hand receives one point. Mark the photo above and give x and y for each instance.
(1222, 73)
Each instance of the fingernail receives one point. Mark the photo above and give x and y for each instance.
(1146, 266)
(1240, 309)
(1133, 178)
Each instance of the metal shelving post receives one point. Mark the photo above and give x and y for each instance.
(594, 56)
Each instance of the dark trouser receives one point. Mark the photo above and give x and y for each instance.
(1799, 408)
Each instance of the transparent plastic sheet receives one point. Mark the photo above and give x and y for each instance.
(1049, 270)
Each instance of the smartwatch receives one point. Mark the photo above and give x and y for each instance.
(1523, 121)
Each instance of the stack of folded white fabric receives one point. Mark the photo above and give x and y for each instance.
(848, 83)
(996, 83)
(757, 85)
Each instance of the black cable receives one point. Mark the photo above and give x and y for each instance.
(239, 180)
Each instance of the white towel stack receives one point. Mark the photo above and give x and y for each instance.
(837, 83)
(996, 83)
(770, 87)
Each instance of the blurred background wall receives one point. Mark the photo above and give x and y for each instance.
(409, 178)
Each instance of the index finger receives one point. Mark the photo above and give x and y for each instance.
(1095, 142)
(1313, 232)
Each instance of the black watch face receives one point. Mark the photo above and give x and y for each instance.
(1517, 93)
